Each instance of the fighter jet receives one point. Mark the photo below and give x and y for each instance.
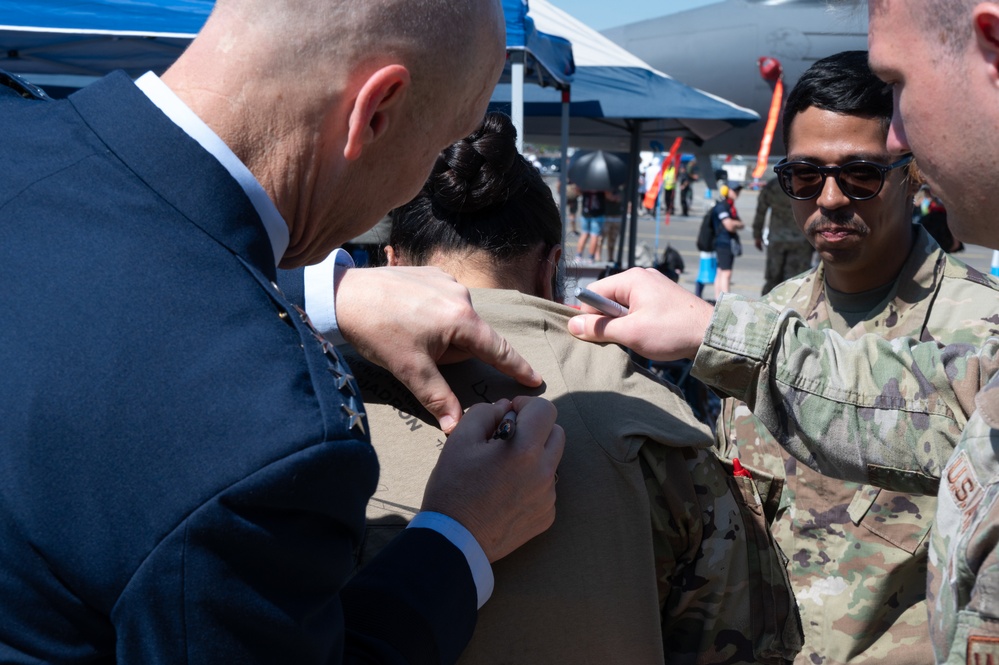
(719, 47)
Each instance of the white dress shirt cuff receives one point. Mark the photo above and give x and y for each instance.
(321, 282)
(460, 537)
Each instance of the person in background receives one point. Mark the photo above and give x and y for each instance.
(788, 251)
(727, 245)
(669, 187)
(572, 205)
(593, 213)
(658, 554)
(612, 223)
(185, 481)
(856, 551)
(686, 188)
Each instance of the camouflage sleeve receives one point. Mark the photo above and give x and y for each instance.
(723, 588)
(964, 546)
(880, 412)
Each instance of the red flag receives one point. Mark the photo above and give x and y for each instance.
(652, 191)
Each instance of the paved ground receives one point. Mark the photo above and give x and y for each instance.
(747, 274)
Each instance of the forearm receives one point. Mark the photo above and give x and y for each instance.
(732, 224)
(892, 422)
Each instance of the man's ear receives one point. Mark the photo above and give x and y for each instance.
(986, 20)
(369, 117)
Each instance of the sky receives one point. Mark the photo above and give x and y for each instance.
(603, 14)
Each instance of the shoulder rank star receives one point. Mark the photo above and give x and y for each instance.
(355, 415)
(341, 374)
(343, 378)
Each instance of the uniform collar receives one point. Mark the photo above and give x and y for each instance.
(909, 306)
(175, 109)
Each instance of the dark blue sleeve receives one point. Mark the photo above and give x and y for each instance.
(261, 574)
(292, 283)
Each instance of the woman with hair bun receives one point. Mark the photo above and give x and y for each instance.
(485, 215)
(648, 560)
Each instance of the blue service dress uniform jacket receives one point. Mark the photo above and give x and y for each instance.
(183, 470)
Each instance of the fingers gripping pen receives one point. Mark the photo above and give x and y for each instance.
(507, 427)
(600, 303)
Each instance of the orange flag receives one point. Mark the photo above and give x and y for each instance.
(768, 133)
(652, 191)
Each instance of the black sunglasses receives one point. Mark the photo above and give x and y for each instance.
(858, 180)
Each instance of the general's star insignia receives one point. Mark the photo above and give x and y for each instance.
(356, 415)
(343, 382)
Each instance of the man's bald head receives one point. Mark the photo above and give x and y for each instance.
(323, 38)
(339, 107)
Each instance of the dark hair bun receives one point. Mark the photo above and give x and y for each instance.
(481, 196)
(480, 171)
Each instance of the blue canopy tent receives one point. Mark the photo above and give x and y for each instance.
(533, 54)
(547, 58)
(62, 45)
(67, 44)
(551, 60)
(606, 102)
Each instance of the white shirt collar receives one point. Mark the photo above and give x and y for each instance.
(175, 109)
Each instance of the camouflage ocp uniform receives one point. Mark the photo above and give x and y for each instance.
(893, 413)
(858, 553)
(788, 251)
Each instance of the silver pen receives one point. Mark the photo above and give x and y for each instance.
(600, 303)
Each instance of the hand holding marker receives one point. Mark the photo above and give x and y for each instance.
(507, 427)
(600, 303)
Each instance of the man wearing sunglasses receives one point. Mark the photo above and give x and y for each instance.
(857, 554)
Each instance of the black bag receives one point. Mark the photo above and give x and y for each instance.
(672, 264)
(706, 235)
(736, 245)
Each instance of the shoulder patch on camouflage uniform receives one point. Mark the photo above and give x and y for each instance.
(983, 650)
(964, 486)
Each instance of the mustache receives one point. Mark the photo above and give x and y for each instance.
(849, 222)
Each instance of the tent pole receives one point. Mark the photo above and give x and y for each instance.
(563, 169)
(517, 96)
(636, 132)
